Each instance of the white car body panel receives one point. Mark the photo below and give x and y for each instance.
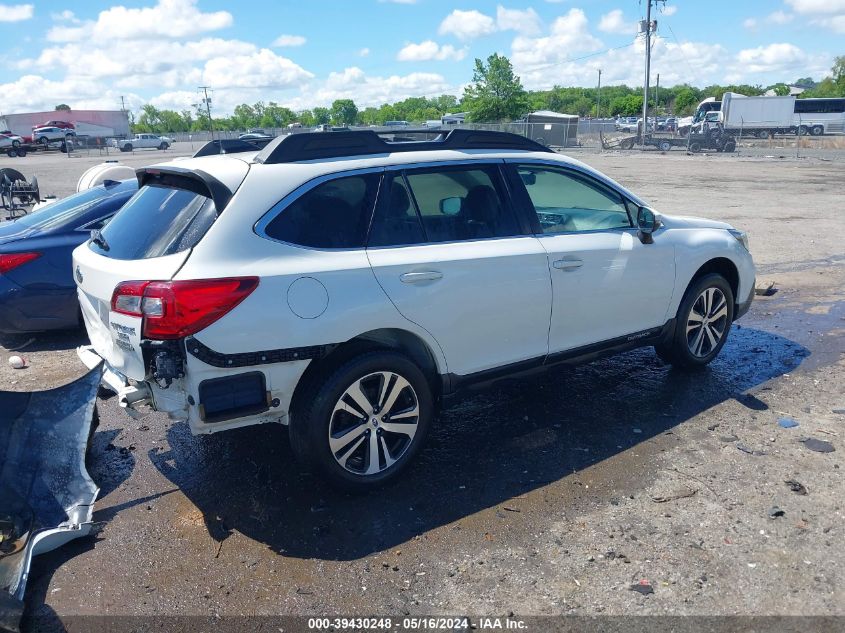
(499, 286)
(620, 286)
(499, 301)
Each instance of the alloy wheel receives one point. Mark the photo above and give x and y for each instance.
(374, 423)
(707, 322)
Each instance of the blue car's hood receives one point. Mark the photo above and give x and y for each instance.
(12, 231)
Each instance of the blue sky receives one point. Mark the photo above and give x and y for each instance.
(302, 54)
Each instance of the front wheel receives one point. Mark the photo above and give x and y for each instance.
(665, 146)
(702, 325)
(363, 423)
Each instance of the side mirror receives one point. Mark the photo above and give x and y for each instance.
(647, 223)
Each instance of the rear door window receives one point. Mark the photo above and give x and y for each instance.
(157, 221)
(462, 203)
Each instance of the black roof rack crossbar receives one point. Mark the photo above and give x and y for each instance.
(230, 146)
(317, 145)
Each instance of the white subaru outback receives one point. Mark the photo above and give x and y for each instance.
(342, 284)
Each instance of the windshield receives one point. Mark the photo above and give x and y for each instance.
(63, 212)
(157, 221)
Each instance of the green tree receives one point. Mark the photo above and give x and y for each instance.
(321, 116)
(496, 93)
(780, 89)
(686, 99)
(344, 112)
(63, 106)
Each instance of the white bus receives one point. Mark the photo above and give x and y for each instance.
(819, 116)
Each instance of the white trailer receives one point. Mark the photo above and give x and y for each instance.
(758, 116)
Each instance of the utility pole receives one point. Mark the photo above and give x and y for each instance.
(207, 103)
(122, 104)
(656, 93)
(647, 69)
(598, 96)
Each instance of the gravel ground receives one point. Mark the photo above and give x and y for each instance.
(551, 494)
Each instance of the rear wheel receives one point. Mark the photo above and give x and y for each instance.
(665, 146)
(702, 325)
(126, 148)
(163, 145)
(730, 145)
(695, 147)
(817, 130)
(43, 140)
(363, 422)
(763, 134)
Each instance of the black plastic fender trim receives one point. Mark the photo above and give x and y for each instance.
(250, 359)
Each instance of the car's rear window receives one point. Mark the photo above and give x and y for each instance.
(157, 221)
(62, 212)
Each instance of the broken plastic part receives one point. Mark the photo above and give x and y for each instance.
(46, 495)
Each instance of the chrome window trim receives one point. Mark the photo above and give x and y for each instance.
(260, 227)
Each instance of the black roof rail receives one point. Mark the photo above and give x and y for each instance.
(230, 146)
(317, 145)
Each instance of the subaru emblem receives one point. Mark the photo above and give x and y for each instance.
(78, 275)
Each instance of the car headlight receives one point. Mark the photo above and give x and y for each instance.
(741, 236)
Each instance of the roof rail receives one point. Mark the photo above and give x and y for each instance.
(317, 145)
(230, 146)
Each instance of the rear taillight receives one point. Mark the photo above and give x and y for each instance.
(8, 261)
(175, 309)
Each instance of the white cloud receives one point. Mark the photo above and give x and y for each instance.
(364, 52)
(170, 19)
(467, 25)
(671, 9)
(430, 50)
(835, 23)
(750, 23)
(353, 83)
(526, 22)
(817, 6)
(614, 22)
(774, 57)
(779, 17)
(15, 12)
(568, 36)
(289, 40)
(65, 16)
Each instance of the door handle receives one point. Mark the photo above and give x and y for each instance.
(414, 278)
(568, 264)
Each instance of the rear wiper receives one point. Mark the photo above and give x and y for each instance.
(99, 240)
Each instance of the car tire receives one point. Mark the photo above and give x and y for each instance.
(693, 346)
(730, 145)
(126, 148)
(817, 130)
(695, 147)
(163, 146)
(665, 146)
(43, 140)
(329, 414)
(16, 144)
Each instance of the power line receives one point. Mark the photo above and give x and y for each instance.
(578, 59)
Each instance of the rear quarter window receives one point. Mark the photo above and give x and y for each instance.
(157, 221)
(334, 214)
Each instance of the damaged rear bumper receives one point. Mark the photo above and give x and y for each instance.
(46, 494)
